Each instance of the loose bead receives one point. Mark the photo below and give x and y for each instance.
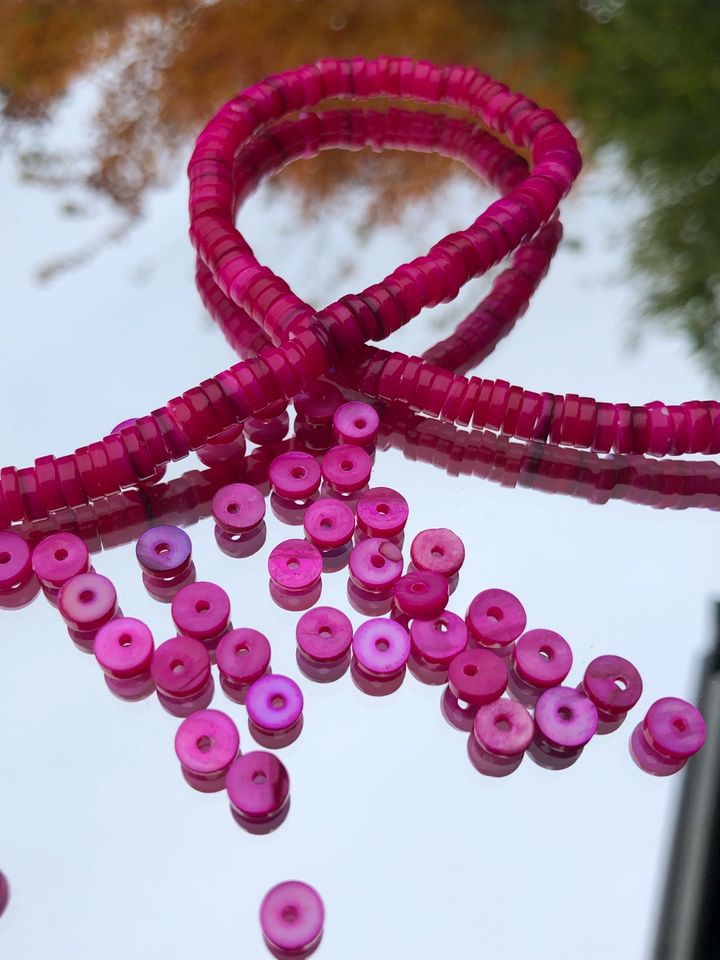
(267, 431)
(206, 743)
(58, 558)
(613, 684)
(201, 610)
(87, 602)
(671, 732)
(356, 423)
(346, 468)
(181, 668)
(242, 656)
(292, 917)
(329, 524)
(438, 551)
(503, 728)
(295, 475)
(164, 551)
(421, 594)
(566, 720)
(238, 508)
(381, 647)
(318, 403)
(124, 648)
(274, 703)
(258, 788)
(439, 640)
(375, 565)
(495, 618)
(324, 634)
(382, 512)
(542, 658)
(15, 561)
(477, 677)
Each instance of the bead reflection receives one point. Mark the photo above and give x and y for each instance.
(241, 545)
(375, 686)
(458, 714)
(489, 764)
(336, 560)
(551, 758)
(131, 689)
(290, 512)
(433, 674)
(261, 828)
(276, 740)
(165, 589)
(319, 671)
(184, 707)
(20, 596)
(367, 603)
(295, 601)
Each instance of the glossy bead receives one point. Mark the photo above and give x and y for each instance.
(329, 524)
(382, 512)
(292, 916)
(206, 743)
(565, 719)
(477, 677)
(181, 667)
(274, 703)
(438, 640)
(201, 610)
(58, 558)
(324, 634)
(613, 684)
(242, 656)
(674, 729)
(164, 551)
(381, 647)
(375, 565)
(495, 618)
(437, 550)
(421, 594)
(542, 658)
(318, 403)
(295, 475)
(346, 468)
(124, 648)
(267, 431)
(15, 561)
(87, 601)
(503, 728)
(258, 787)
(295, 565)
(356, 423)
(238, 508)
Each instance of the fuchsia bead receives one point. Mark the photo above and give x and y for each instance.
(267, 431)
(477, 677)
(292, 916)
(181, 668)
(318, 403)
(201, 610)
(206, 743)
(566, 720)
(495, 618)
(375, 565)
(329, 524)
(324, 634)
(58, 558)
(356, 423)
(295, 475)
(87, 602)
(227, 449)
(382, 512)
(242, 657)
(274, 703)
(15, 561)
(381, 647)
(164, 551)
(439, 640)
(613, 684)
(438, 551)
(671, 732)
(542, 658)
(295, 565)
(346, 468)
(124, 648)
(503, 728)
(421, 594)
(238, 508)
(258, 788)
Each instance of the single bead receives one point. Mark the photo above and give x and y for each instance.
(206, 743)
(324, 634)
(164, 551)
(346, 468)
(124, 648)
(381, 647)
(58, 558)
(15, 561)
(87, 601)
(242, 656)
(674, 728)
(295, 475)
(201, 610)
(274, 703)
(477, 677)
(265, 432)
(382, 512)
(495, 618)
(542, 658)
(438, 640)
(439, 551)
(613, 684)
(566, 720)
(258, 787)
(238, 508)
(292, 916)
(318, 403)
(295, 565)
(503, 728)
(375, 565)
(181, 667)
(329, 524)
(421, 594)
(225, 450)
(356, 423)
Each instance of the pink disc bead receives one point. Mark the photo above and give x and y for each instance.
(346, 468)
(329, 524)
(181, 667)
(238, 508)
(124, 648)
(375, 564)
(542, 658)
(258, 786)
(477, 677)
(421, 594)
(613, 684)
(201, 610)
(381, 647)
(295, 475)
(495, 618)
(243, 656)
(565, 718)
(318, 403)
(15, 561)
(382, 512)
(438, 640)
(58, 558)
(356, 423)
(206, 743)
(87, 601)
(674, 728)
(503, 728)
(295, 565)
(324, 634)
(437, 550)
(292, 916)
(164, 551)
(274, 703)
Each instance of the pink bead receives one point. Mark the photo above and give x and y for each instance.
(503, 728)
(346, 468)
(477, 677)
(181, 667)
(421, 594)
(329, 524)
(439, 551)
(15, 561)
(124, 648)
(292, 917)
(375, 564)
(238, 508)
(4, 893)
(201, 610)
(87, 601)
(164, 551)
(674, 728)
(565, 719)
(382, 512)
(438, 640)
(295, 475)
(267, 431)
(258, 787)
(318, 403)
(242, 656)
(59, 557)
(356, 423)
(542, 658)
(206, 743)
(381, 647)
(295, 565)
(274, 703)
(495, 618)
(613, 684)
(324, 634)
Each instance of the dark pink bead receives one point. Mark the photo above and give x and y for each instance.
(381, 647)
(274, 703)
(504, 728)
(346, 468)
(318, 403)
(164, 551)
(201, 610)
(238, 508)
(382, 512)
(613, 684)
(295, 475)
(181, 667)
(292, 917)
(87, 602)
(329, 524)
(15, 561)
(438, 640)
(477, 677)
(258, 787)
(375, 564)
(495, 618)
(124, 648)
(324, 634)
(565, 719)
(267, 431)
(421, 594)
(356, 423)
(438, 550)
(542, 658)
(58, 558)
(242, 656)
(4, 893)
(674, 728)
(295, 565)
(206, 743)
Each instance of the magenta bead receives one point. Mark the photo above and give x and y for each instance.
(124, 648)
(238, 508)
(318, 403)
(324, 634)
(503, 728)
(565, 718)
(243, 656)
(295, 475)
(292, 917)
(258, 786)
(201, 610)
(87, 601)
(438, 640)
(181, 667)
(274, 703)
(381, 647)
(329, 524)
(58, 558)
(477, 677)
(382, 512)
(164, 551)
(346, 468)
(206, 743)
(269, 431)
(542, 658)
(15, 561)
(613, 684)
(4, 893)
(421, 594)
(356, 423)
(674, 728)
(495, 618)
(295, 565)
(439, 551)
(375, 565)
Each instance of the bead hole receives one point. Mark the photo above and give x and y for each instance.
(546, 653)
(162, 548)
(87, 596)
(326, 523)
(293, 563)
(204, 744)
(232, 508)
(259, 777)
(441, 626)
(418, 587)
(277, 702)
(565, 714)
(242, 649)
(297, 473)
(503, 723)
(495, 613)
(360, 424)
(470, 670)
(125, 640)
(61, 555)
(289, 914)
(4, 557)
(346, 465)
(377, 561)
(383, 509)
(382, 645)
(177, 666)
(202, 606)
(621, 683)
(679, 725)
(437, 552)
(325, 632)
